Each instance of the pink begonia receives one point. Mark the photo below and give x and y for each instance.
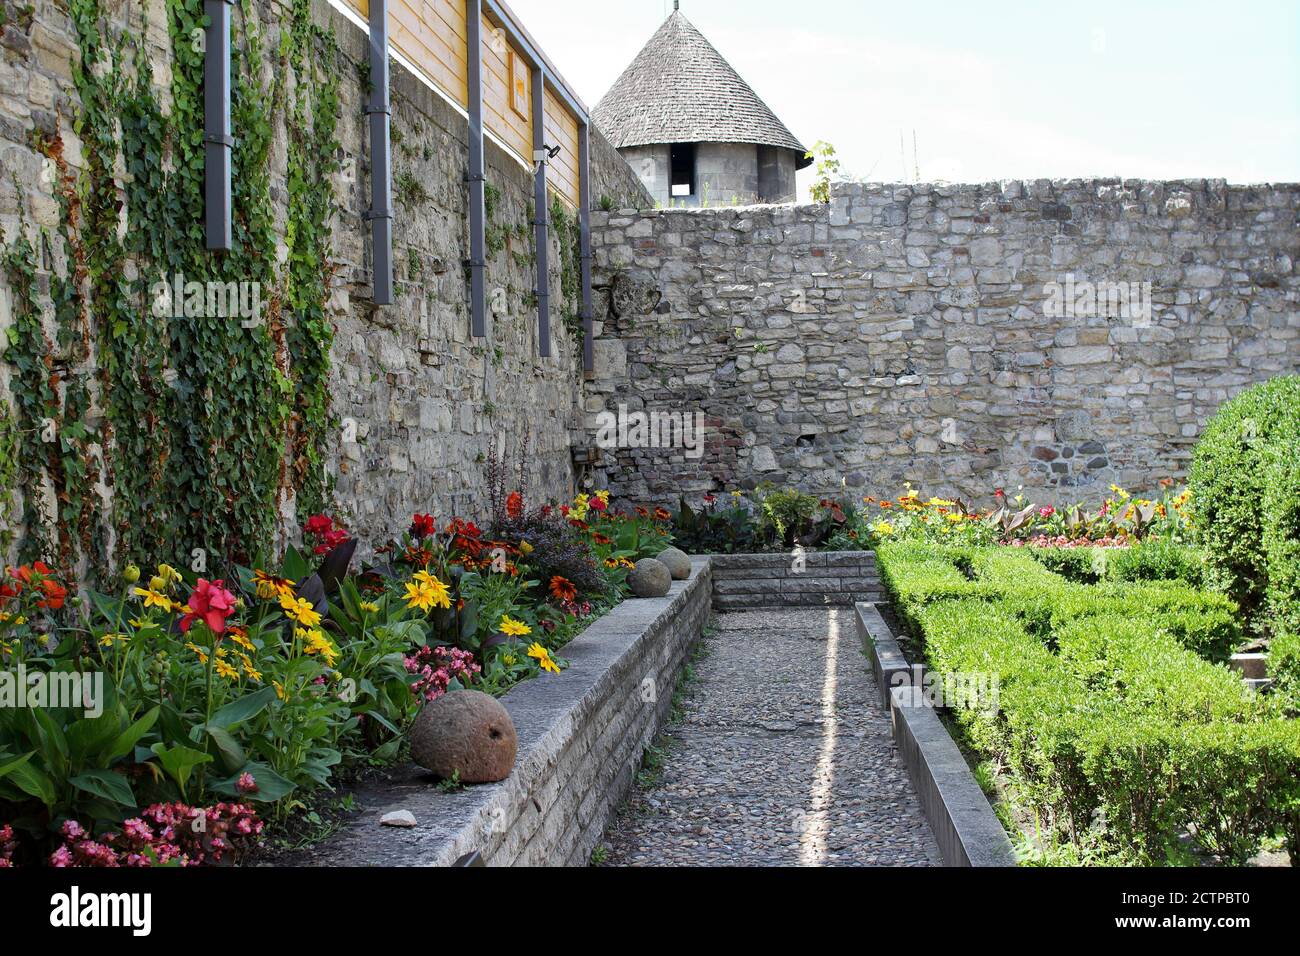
(452, 663)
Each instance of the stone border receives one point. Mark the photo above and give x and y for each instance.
(965, 826)
(582, 734)
(828, 579)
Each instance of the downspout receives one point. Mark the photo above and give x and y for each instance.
(380, 112)
(217, 139)
(584, 249)
(541, 216)
(475, 177)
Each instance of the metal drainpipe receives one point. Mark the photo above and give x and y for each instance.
(476, 179)
(541, 218)
(584, 240)
(217, 139)
(380, 112)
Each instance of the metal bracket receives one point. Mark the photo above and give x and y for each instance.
(371, 214)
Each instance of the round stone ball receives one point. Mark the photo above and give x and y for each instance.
(650, 579)
(677, 562)
(465, 734)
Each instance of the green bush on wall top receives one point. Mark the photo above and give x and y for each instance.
(1245, 482)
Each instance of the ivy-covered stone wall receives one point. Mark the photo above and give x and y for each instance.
(156, 398)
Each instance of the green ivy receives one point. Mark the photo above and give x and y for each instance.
(209, 422)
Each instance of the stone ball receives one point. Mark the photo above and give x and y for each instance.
(465, 732)
(650, 579)
(677, 562)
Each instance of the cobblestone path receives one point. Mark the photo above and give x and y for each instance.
(780, 758)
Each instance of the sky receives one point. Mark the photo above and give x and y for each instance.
(980, 91)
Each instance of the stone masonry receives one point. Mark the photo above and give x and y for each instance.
(417, 399)
(905, 333)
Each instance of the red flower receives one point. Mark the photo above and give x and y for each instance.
(55, 593)
(320, 524)
(562, 589)
(598, 504)
(210, 603)
(423, 526)
(662, 515)
(514, 505)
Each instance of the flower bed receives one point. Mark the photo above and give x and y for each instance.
(1125, 743)
(234, 698)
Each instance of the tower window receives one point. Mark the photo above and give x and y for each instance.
(683, 169)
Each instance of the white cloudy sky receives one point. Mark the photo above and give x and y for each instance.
(991, 90)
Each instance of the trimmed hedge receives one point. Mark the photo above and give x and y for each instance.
(1106, 710)
(1245, 484)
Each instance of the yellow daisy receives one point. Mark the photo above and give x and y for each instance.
(512, 627)
(543, 658)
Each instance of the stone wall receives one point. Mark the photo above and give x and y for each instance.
(904, 333)
(817, 579)
(417, 399)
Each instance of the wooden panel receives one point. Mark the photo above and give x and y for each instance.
(562, 131)
(513, 130)
(432, 35)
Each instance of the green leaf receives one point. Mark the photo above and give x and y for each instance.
(248, 706)
(107, 784)
(270, 785)
(33, 782)
(179, 761)
(15, 763)
(131, 736)
(232, 754)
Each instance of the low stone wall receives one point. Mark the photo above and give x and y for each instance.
(965, 826)
(582, 734)
(838, 579)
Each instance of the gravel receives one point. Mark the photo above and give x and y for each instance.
(774, 762)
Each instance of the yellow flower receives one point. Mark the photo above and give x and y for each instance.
(883, 528)
(252, 672)
(270, 588)
(225, 670)
(603, 496)
(427, 592)
(940, 503)
(152, 598)
(108, 640)
(543, 658)
(140, 625)
(953, 518)
(169, 575)
(238, 637)
(525, 548)
(508, 660)
(370, 608)
(513, 628)
(279, 690)
(300, 610)
(318, 643)
(199, 652)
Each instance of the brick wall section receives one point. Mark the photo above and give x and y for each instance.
(582, 734)
(426, 399)
(743, 581)
(901, 333)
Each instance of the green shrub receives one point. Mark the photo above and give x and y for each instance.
(1247, 501)
(1081, 565)
(1112, 725)
(1155, 560)
(1284, 668)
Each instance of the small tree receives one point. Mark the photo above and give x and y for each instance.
(827, 167)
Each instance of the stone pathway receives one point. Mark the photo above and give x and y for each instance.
(781, 758)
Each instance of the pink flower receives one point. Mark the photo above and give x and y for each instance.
(210, 603)
(246, 784)
(1046, 512)
(61, 857)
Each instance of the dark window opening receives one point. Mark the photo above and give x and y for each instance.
(683, 169)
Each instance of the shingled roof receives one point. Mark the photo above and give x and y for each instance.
(679, 89)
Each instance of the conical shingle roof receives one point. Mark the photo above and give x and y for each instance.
(679, 89)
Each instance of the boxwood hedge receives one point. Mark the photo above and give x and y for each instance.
(1113, 727)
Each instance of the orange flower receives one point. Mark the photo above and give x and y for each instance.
(599, 538)
(662, 515)
(562, 589)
